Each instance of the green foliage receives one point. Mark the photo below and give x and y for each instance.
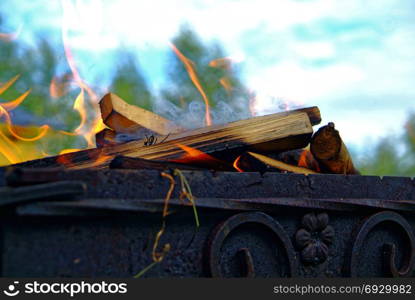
(180, 89)
(130, 84)
(387, 157)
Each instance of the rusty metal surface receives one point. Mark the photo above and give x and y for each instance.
(332, 192)
(251, 225)
(41, 192)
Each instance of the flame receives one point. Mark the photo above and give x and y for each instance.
(11, 135)
(226, 83)
(222, 63)
(193, 155)
(102, 158)
(6, 85)
(79, 105)
(236, 162)
(8, 106)
(9, 149)
(86, 129)
(65, 151)
(189, 65)
(307, 160)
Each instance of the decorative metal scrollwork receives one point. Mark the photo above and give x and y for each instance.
(253, 243)
(388, 249)
(314, 238)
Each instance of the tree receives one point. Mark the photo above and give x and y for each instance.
(130, 84)
(219, 80)
(393, 156)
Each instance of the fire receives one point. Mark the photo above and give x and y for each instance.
(223, 63)
(19, 143)
(8, 84)
(86, 129)
(8, 106)
(227, 85)
(11, 136)
(189, 65)
(193, 155)
(69, 150)
(307, 160)
(236, 162)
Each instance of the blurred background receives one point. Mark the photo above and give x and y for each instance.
(353, 59)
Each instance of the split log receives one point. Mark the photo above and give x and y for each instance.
(106, 137)
(125, 118)
(330, 151)
(267, 134)
(280, 165)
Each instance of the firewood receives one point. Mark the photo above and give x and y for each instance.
(330, 151)
(281, 165)
(125, 118)
(105, 137)
(267, 134)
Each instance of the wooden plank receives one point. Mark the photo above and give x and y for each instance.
(271, 133)
(125, 118)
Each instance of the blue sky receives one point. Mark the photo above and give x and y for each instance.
(352, 58)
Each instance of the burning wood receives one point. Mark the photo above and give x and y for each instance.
(106, 137)
(280, 165)
(267, 134)
(330, 151)
(272, 142)
(125, 118)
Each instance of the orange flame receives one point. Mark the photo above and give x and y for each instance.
(8, 106)
(189, 66)
(9, 149)
(6, 85)
(236, 162)
(226, 83)
(86, 129)
(193, 155)
(307, 160)
(222, 63)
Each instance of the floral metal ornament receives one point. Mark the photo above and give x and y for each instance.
(314, 238)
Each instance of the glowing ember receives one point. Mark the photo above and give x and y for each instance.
(236, 162)
(189, 65)
(307, 160)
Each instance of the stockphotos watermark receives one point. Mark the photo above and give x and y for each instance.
(73, 288)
